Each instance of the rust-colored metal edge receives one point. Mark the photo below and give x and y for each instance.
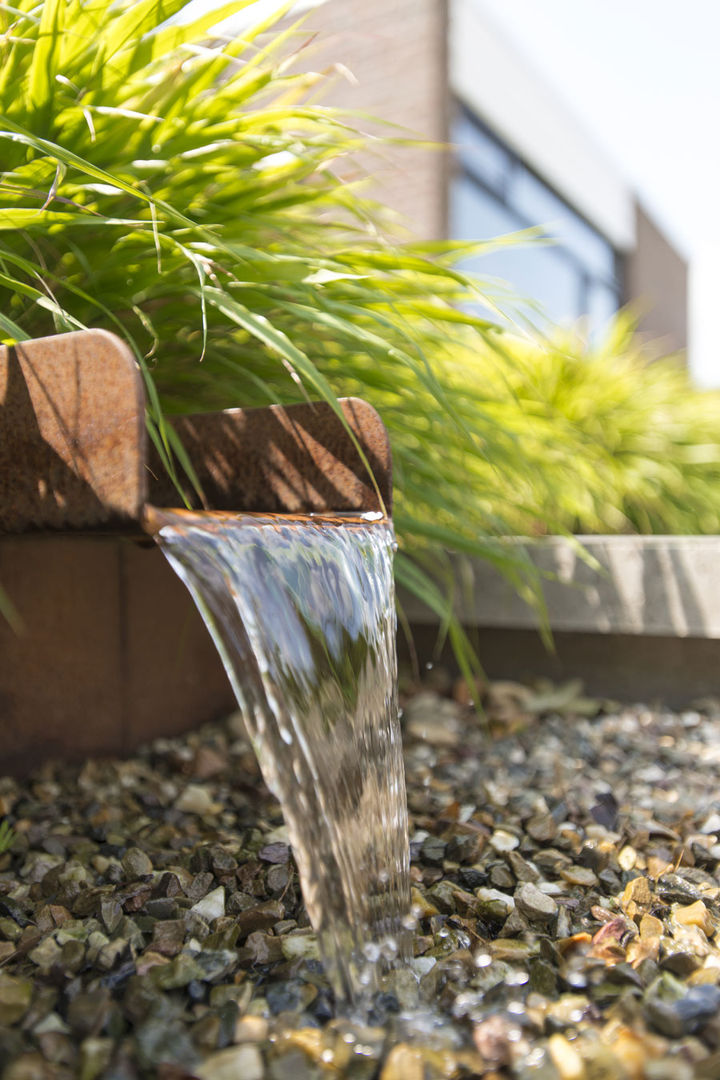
(72, 433)
(74, 452)
(295, 459)
(156, 518)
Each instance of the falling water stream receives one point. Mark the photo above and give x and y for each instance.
(302, 613)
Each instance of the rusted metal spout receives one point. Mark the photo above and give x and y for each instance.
(74, 451)
(114, 653)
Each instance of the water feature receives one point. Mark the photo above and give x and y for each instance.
(302, 613)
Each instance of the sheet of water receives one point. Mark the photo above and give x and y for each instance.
(302, 613)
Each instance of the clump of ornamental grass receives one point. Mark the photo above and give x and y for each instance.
(624, 441)
(176, 187)
(581, 435)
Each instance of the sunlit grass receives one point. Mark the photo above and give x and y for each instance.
(181, 191)
(626, 442)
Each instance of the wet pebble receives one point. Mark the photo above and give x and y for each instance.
(686, 1014)
(151, 922)
(136, 863)
(196, 799)
(538, 908)
(433, 850)
(212, 906)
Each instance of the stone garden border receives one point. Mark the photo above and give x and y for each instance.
(635, 616)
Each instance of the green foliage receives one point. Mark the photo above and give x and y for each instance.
(184, 193)
(7, 836)
(624, 442)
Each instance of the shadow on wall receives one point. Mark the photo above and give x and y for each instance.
(36, 482)
(657, 585)
(296, 459)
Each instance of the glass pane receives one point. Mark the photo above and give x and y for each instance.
(475, 214)
(603, 302)
(479, 153)
(538, 205)
(542, 274)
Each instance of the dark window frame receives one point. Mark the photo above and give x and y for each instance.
(500, 193)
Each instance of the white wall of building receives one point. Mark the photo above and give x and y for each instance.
(489, 76)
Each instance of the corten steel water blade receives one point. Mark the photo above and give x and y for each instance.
(74, 452)
(113, 652)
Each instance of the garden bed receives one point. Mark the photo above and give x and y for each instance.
(564, 862)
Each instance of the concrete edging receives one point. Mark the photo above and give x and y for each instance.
(665, 586)
(637, 618)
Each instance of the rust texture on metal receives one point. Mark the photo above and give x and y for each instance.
(74, 449)
(72, 433)
(113, 651)
(296, 459)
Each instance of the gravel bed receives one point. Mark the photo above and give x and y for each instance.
(565, 859)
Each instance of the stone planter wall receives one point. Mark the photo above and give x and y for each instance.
(636, 618)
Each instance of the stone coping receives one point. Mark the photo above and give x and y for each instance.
(645, 585)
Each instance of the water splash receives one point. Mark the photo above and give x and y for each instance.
(302, 613)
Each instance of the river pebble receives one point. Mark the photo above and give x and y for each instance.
(565, 887)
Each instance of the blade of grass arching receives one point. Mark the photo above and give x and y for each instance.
(41, 75)
(449, 251)
(77, 50)
(200, 265)
(278, 342)
(156, 419)
(14, 332)
(351, 327)
(42, 275)
(42, 300)
(11, 68)
(511, 558)
(160, 442)
(28, 16)
(134, 22)
(167, 442)
(202, 78)
(15, 133)
(87, 19)
(422, 367)
(278, 40)
(188, 38)
(416, 581)
(18, 217)
(58, 153)
(163, 40)
(351, 330)
(392, 262)
(183, 458)
(279, 188)
(439, 313)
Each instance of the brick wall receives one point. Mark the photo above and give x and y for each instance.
(395, 49)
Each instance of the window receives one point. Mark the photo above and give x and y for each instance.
(494, 192)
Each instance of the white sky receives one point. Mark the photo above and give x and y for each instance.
(644, 77)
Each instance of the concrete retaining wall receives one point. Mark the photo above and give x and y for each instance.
(638, 617)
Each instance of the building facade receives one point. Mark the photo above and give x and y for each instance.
(516, 158)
